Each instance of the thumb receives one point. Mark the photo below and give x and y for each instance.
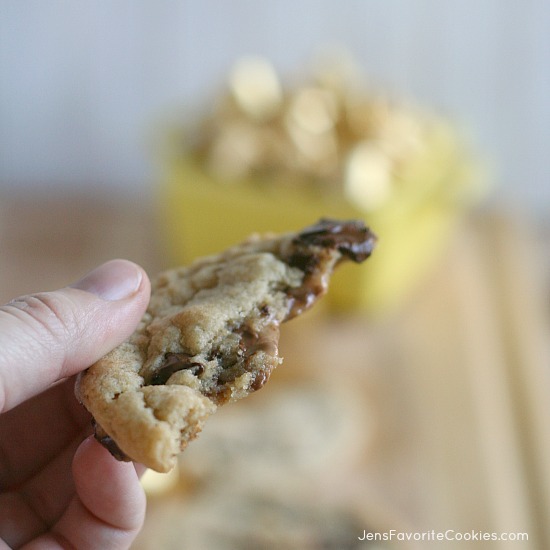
(48, 336)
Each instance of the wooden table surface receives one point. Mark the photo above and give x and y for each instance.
(455, 382)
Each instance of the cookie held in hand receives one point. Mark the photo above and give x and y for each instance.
(209, 336)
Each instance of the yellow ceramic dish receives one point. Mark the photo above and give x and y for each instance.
(202, 216)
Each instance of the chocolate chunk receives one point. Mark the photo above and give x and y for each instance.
(259, 380)
(267, 341)
(304, 261)
(113, 448)
(251, 343)
(175, 362)
(109, 443)
(351, 238)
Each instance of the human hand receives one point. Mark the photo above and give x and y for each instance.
(59, 487)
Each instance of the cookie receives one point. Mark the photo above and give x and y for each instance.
(210, 336)
(288, 516)
(304, 429)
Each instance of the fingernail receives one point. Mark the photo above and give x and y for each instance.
(114, 280)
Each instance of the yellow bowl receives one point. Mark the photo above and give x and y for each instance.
(201, 216)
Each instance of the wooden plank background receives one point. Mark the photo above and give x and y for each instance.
(455, 382)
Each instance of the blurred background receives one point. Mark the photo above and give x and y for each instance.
(163, 130)
(84, 83)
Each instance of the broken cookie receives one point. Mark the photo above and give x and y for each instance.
(209, 336)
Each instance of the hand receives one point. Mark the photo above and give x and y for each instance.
(59, 487)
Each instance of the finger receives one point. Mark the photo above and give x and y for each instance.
(34, 432)
(46, 337)
(36, 505)
(109, 508)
